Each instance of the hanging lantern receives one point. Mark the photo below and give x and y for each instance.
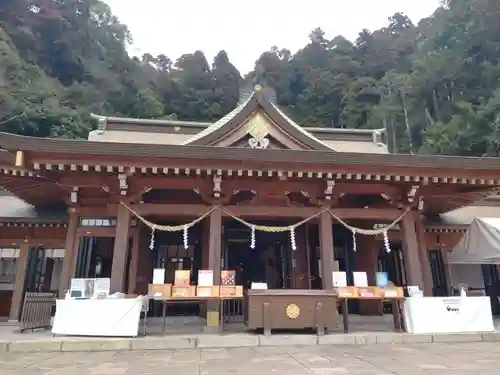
(353, 239)
(292, 238)
(185, 236)
(252, 237)
(386, 241)
(152, 241)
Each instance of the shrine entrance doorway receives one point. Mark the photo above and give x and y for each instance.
(269, 261)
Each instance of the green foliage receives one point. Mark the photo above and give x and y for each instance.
(434, 86)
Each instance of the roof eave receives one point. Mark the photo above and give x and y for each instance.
(138, 121)
(112, 149)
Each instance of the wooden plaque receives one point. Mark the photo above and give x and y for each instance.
(183, 291)
(228, 278)
(182, 277)
(231, 291)
(347, 291)
(163, 290)
(207, 291)
(392, 292)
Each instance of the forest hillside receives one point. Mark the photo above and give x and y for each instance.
(434, 86)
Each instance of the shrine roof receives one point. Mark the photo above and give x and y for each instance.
(327, 157)
(169, 131)
(463, 216)
(14, 209)
(256, 100)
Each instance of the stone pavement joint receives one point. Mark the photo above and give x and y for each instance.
(79, 344)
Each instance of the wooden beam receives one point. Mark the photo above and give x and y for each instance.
(192, 210)
(19, 159)
(96, 211)
(311, 186)
(80, 179)
(366, 189)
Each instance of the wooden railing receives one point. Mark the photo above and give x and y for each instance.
(37, 311)
(233, 311)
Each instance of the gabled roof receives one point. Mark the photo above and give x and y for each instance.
(259, 109)
(257, 100)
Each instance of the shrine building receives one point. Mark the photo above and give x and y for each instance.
(250, 189)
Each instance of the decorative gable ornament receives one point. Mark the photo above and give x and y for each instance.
(258, 142)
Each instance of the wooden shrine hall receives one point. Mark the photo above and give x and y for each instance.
(78, 208)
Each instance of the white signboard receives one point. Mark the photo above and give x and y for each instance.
(360, 279)
(258, 286)
(449, 315)
(159, 276)
(339, 278)
(205, 278)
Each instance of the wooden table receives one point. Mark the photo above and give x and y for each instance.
(165, 301)
(396, 309)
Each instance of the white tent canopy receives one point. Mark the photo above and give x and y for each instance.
(480, 245)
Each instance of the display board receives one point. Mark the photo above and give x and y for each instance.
(339, 278)
(89, 288)
(360, 279)
(382, 279)
(159, 276)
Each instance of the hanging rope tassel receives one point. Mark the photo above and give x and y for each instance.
(185, 236)
(386, 242)
(292, 238)
(252, 237)
(354, 248)
(152, 241)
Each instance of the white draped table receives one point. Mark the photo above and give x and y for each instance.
(113, 317)
(448, 314)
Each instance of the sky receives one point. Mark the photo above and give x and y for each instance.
(245, 29)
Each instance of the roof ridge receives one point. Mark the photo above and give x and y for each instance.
(239, 115)
(205, 124)
(219, 123)
(298, 127)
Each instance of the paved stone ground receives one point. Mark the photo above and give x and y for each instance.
(429, 359)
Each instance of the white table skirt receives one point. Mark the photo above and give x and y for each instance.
(448, 314)
(98, 317)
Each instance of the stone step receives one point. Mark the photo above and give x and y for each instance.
(79, 344)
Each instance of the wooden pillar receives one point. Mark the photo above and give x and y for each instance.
(424, 256)
(70, 254)
(205, 245)
(144, 261)
(411, 251)
(214, 260)
(21, 267)
(366, 260)
(326, 249)
(76, 248)
(120, 250)
(134, 264)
